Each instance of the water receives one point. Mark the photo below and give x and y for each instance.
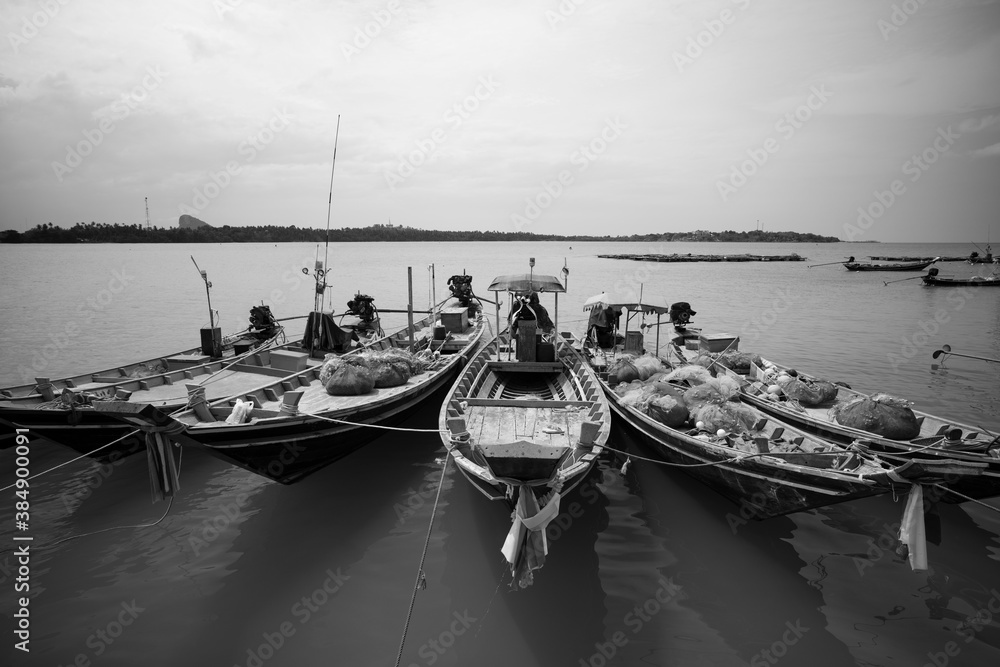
(649, 568)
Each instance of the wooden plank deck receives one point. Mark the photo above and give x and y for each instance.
(508, 423)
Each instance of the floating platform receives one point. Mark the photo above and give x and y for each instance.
(708, 258)
(964, 258)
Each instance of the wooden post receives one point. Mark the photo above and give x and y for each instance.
(409, 303)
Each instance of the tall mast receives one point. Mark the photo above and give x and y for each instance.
(329, 202)
(147, 213)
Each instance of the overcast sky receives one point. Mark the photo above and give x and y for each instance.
(860, 119)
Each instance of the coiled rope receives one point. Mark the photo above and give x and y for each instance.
(421, 581)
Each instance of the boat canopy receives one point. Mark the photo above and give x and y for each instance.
(524, 282)
(602, 301)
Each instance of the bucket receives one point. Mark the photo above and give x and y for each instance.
(439, 333)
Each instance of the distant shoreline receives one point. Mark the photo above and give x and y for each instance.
(104, 233)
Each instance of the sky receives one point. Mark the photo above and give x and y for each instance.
(866, 120)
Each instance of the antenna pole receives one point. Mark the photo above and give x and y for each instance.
(329, 202)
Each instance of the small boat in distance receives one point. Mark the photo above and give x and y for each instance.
(934, 280)
(526, 421)
(851, 265)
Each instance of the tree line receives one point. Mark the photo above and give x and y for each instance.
(93, 232)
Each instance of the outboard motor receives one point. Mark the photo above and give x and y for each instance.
(461, 288)
(262, 323)
(363, 307)
(680, 314)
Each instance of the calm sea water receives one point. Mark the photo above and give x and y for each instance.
(651, 568)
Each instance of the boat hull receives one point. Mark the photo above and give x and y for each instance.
(289, 450)
(762, 491)
(953, 282)
(986, 485)
(915, 266)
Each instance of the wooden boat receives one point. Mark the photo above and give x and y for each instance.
(60, 410)
(766, 465)
(525, 423)
(939, 439)
(851, 265)
(934, 280)
(278, 419)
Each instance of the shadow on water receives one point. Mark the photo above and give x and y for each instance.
(542, 624)
(739, 580)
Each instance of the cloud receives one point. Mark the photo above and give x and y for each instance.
(976, 124)
(989, 151)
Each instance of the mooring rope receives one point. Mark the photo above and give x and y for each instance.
(170, 504)
(381, 426)
(969, 498)
(734, 459)
(421, 581)
(75, 459)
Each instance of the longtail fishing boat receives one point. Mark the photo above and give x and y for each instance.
(527, 420)
(683, 416)
(851, 265)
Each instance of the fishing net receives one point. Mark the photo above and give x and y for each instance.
(809, 392)
(880, 414)
(738, 362)
(623, 370)
(346, 377)
(668, 410)
(647, 366)
(390, 373)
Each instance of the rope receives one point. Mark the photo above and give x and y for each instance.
(381, 426)
(421, 581)
(734, 459)
(127, 435)
(970, 499)
(140, 525)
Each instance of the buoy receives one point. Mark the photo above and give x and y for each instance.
(774, 389)
(721, 432)
(700, 425)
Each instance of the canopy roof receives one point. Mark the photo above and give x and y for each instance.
(602, 301)
(524, 282)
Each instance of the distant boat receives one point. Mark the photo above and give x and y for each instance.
(975, 281)
(851, 265)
